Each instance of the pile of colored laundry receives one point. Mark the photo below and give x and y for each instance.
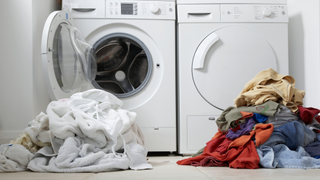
(268, 127)
(87, 133)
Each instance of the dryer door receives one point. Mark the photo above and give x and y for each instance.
(69, 63)
(226, 60)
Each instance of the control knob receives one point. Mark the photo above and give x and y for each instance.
(266, 12)
(154, 8)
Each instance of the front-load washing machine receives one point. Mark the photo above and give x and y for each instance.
(222, 44)
(124, 47)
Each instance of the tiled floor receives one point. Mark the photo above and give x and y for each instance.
(165, 167)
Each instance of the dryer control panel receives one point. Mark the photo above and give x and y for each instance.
(253, 13)
(140, 9)
(233, 13)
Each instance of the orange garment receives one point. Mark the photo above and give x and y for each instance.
(244, 156)
(262, 132)
(246, 114)
(218, 134)
(248, 158)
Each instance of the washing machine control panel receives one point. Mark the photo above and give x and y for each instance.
(140, 9)
(253, 13)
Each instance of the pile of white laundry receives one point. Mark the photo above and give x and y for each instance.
(87, 133)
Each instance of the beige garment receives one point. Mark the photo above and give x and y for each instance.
(269, 85)
(25, 140)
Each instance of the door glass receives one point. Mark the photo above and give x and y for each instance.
(74, 60)
(124, 64)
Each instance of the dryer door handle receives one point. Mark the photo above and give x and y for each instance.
(199, 14)
(200, 55)
(84, 9)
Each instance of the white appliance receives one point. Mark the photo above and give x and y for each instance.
(124, 47)
(222, 44)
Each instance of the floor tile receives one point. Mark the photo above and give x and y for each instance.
(28, 175)
(226, 173)
(163, 168)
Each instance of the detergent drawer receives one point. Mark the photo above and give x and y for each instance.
(84, 8)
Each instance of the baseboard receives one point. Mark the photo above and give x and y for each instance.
(7, 136)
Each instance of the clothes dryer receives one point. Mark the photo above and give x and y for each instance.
(222, 44)
(124, 47)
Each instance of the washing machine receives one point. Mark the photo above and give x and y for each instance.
(124, 47)
(222, 44)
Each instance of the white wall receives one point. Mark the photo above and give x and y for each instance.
(23, 95)
(304, 47)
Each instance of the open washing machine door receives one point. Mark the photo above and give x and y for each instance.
(222, 55)
(69, 63)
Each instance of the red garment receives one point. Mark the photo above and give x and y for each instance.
(307, 114)
(244, 156)
(209, 161)
(236, 128)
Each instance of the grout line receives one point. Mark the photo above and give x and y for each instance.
(206, 174)
(92, 174)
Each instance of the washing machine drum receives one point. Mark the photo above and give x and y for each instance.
(123, 67)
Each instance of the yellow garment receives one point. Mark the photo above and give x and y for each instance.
(269, 85)
(26, 141)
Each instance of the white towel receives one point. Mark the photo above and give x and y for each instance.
(87, 131)
(38, 129)
(65, 122)
(77, 156)
(137, 155)
(14, 157)
(92, 119)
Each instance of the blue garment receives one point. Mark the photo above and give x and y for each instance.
(282, 157)
(313, 149)
(292, 134)
(266, 156)
(283, 116)
(259, 118)
(318, 136)
(317, 157)
(245, 128)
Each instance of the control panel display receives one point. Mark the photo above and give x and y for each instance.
(126, 8)
(137, 9)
